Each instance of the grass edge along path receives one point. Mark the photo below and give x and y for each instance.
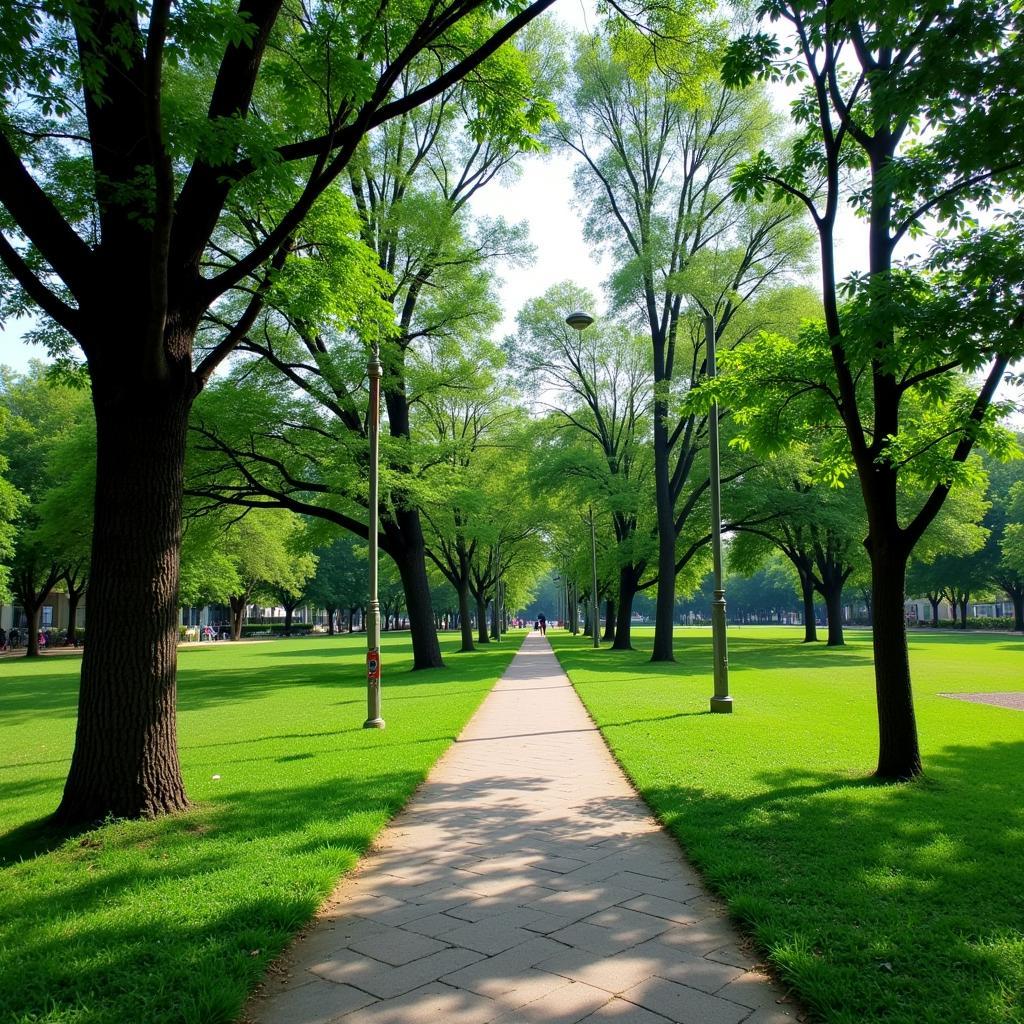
(896, 904)
(176, 919)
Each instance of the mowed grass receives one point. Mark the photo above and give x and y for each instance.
(901, 904)
(176, 919)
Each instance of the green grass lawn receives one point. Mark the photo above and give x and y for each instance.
(176, 919)
(887, 903)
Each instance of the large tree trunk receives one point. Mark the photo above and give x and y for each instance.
(482, 635)
(810, 626)
(935, 602)
(964, 599)
(74, 597)
(288, 612)
(899, 756)
(32, 640)
(833, 594)
(624, 623)
(330, 620)
(665, 607)
(465, 622)
(609, 621)
(125, 761)
(237, 616)
(1017, 596)
(412, 567)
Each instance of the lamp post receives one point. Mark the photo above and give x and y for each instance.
(721, 702)
(595, 626)
(373, 719)
(580, 321)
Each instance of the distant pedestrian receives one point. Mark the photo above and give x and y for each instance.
(543, 625)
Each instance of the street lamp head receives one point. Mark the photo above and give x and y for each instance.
(578, 320)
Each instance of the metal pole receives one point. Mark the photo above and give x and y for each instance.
(373, 719)
(721, 702)
(595, 625)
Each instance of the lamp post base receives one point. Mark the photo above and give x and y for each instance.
(374, 723)
(721, 705)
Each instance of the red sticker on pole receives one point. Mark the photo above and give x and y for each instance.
(373, 665)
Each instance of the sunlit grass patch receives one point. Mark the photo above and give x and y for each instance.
(901, 904)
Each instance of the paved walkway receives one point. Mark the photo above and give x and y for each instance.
(525, 882)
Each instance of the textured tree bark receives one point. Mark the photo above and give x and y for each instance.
(1017, 596)
(288, 613)
(330, 620)
(237, 605)
(465, 622)
(934, 602)
(665, 606)
(624, 620)
(899, 756)
(32, 640)
(411, 560)
(810, 625)
(833, 594)
(964, 598)
(125, 762)
(482, 634)
(609, 621)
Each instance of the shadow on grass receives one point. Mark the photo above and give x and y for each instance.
(188, 918)
(693, 655)
(877, 902)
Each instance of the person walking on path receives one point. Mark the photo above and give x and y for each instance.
(525, 882)
(543, 624)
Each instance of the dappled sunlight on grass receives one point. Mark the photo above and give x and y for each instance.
(892, 903)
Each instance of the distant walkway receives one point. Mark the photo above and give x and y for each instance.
(525, 882)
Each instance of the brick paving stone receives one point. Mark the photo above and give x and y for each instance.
(701, 938)
(618, 1011)
(685, 1005)
(660, 906)
(615, 974)
(431, 1004)
(733, 955)
(499, 973)
(525, 883)
(753, 989)
(396, 946)
(434, 925)
(314, 1002)
(678, 889)
(595, 939)
(687, 969)
(491, 935)
(565, 1005)
(386, 981)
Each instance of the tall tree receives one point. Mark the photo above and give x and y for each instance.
(49, 438)
(127, 131)
(911, 112)
(598, 385)
(658, 138)
(341, 578)
(1007, 573)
